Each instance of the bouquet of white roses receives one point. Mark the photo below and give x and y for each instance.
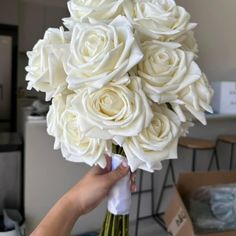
(123, 74)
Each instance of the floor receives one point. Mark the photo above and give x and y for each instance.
(148, 228)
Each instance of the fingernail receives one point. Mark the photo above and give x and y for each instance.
(124, 164)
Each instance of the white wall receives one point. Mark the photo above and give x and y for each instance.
(9, 12)
(56, 3)
(216, 35)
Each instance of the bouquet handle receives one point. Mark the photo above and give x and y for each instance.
(119, 198)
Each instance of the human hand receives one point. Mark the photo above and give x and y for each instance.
(89, 192)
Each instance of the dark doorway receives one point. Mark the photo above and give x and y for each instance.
(8, 76)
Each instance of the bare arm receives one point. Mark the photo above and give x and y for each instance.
(82, 198)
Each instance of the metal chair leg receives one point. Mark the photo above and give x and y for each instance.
(162, 189)
(211, 161)
(231, 157)
(217, 157)
(172, 172)
(139, 202)
(152, 193)
(217, 160)
(157, 214)
(139, 193)
(214, 156)
(194, 160)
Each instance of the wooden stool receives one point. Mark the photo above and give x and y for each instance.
(197, 144)
(231, 140)
(190, 143)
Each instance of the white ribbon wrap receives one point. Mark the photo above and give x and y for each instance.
(119, 199)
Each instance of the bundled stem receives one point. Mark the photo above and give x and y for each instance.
(115, 225)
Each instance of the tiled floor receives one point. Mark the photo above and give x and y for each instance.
(148, 228)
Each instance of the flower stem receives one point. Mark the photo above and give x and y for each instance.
(115, 225)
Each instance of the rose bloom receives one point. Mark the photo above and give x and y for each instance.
(188, 42)
(165, 70)
(53, 118)
(114, 111)
(101, 53)
(62, 123)
(46, 71)
(195, 99)
(93, 11)
(158, 19)
(155, 143)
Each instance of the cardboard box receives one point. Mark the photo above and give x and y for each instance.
(177, 219)
(224, 99)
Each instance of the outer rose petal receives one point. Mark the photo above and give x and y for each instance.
(46, 71)
(165, 70)
(195, 99)
(114, 111)
(62, 123)
(155, 143)
(101, 53)
(92, 11)
(157, 19)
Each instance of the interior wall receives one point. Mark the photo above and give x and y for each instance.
(9, 12)
(216, 35)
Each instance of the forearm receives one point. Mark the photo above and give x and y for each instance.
(60, 219)
(79, 200)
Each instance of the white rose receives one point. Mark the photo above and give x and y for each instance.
(158, 19)
(101, 53)
(185, 126)
(155, 143)
(188, 42)
(93, 11)
(53, 118)
(62, 123)
(46, 71)
(165, 70)
(195, 99)
(114, 111)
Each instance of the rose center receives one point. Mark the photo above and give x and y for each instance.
(110, 103)
(93, 45)
(161, 62)
(157, 127)
(163, 57)
(160, 125)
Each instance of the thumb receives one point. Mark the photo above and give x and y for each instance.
(114, 176)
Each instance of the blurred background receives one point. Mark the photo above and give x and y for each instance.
(32, 175)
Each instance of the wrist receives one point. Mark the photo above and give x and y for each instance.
(73, 204)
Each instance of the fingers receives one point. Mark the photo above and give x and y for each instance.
(133, 187)
(97, 170)
(111, 177)
(109, 163)
(114, 176)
